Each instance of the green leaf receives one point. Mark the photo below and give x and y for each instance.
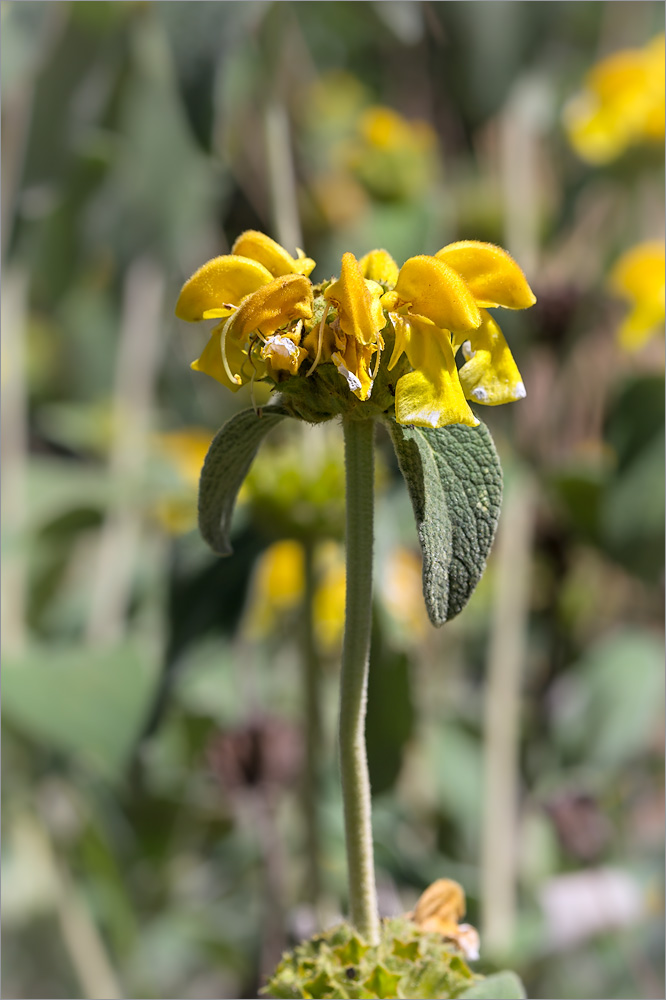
(229, 457)
(455, 484)
(319, 986)
(501, 986)
(407, 950)
(352, 952)
(382, 982)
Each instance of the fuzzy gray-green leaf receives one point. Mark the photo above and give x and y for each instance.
(229, 457)
(455, 484)
(501, 986)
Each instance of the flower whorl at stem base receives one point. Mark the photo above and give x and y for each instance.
(325, 345)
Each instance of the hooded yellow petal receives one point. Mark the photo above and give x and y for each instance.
(378, 265)
(431, 395)
(490, 375)
(284, 300)
(491, 274)
(435, 290)
(275, 258)
(210, 362)
(359, 311)
(221, 282)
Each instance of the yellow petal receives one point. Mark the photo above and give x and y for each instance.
(275, 258)
(491, 274)
(431, 395)
(282, 354)
(284, 300)
(490, 375)
(221, 282)
(354, 365)
(378, 265)
(435, 290)
(210, 362)
(359, 311)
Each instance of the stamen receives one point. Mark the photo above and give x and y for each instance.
(379, 357)
(223, 349)
(320, 341)
(257, 409)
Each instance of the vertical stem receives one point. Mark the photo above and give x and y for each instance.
(359, 462)
(312, 712)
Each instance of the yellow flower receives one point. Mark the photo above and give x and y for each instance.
(279, 587)
(262, 295)
(355, 335)
(329, 599)
(638, 277)
(438, 306)
(622, 104)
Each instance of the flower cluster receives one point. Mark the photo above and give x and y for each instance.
(622, 103)
(275, 324)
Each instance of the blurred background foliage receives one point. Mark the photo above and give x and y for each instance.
(159, 836)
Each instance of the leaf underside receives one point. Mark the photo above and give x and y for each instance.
(454, 481)
(229, 457)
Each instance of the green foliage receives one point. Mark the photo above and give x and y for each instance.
(406, 963)
(107, 691)
(501, 986)
(455, 484)
(227, 462)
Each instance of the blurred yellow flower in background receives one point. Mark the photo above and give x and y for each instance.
(362, 151)
(638, 277)
(329, 599)
(622, 104)
(277, 589)
(402, 593)
(184, 451)
(278, 592)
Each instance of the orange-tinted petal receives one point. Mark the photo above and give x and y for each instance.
(284, 300)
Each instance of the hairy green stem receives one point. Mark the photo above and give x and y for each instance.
(359, 461)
